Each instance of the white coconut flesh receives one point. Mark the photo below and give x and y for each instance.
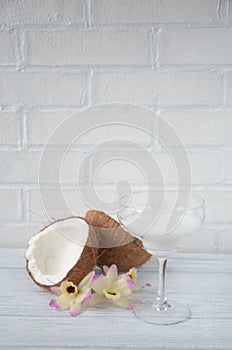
(54, 251)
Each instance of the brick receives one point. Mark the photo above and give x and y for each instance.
(153, 11)
(167, 87)
(54, 167)
(8, 47)
(41, 12)
(229, 88)
(42, 125)
(17, 236)
(201, 241)
(205, 166)
(11, 208)
(230, 12)
(87, 47)
(142, 167)
(41, 88)
(228, 167)
(111, 167)
(97, 126)
(227, 240)
(195, 46)
(9, 128)
(50, 204)
(199, 128)
(218, 205)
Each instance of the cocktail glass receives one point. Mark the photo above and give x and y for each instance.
(160, 220)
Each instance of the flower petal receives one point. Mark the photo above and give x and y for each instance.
(56, 290)
(123, 303)
(112, 273)
(75, 309)
(95, 277)
(53, 304)
(105, 269)
(87, 280)
(125, 285)
(101, 283)
(82, 294)
(65, 301)
(112, 295)
(88, 295)
(95, 299)
(133, 274)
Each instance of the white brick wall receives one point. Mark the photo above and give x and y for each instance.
(9, 128)
(58, 57)
(87, 47)
(11, 207)
(228, 92)
(8, 48)
(42, 12)
(163, 87)
(191, 126)
(196, 46)
(153, 11)
(41, 88)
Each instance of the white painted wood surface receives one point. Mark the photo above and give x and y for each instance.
(204, 282)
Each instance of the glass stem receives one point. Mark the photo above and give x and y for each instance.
(161, 298)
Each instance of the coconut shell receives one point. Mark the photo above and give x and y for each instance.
(84, 265)
(116, 246)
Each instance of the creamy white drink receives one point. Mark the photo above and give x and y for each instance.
(161, 234)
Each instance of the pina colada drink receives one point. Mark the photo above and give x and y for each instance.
(161, 235)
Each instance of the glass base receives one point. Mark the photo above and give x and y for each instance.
(152, 313)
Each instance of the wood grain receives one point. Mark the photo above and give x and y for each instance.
(202, 281)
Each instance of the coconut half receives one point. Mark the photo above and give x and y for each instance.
(66, 249)
(116, 246)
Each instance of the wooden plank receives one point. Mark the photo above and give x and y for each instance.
(202, 281)
(15, 258)
(115, 332)
(36, 304)
(10, 257)
(182, 282)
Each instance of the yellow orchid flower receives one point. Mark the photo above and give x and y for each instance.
(112, 288)
(71, 296)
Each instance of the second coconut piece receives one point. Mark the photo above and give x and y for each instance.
(116, 245)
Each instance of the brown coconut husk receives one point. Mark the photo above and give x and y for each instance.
(84, 265)
(116, 245)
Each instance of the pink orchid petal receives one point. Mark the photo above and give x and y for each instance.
(94, 300)
(105, 269)
(75, 309)
(88, 296)
(53, 304)
(148, 284)
(130, 282)
(56, 290)
(125, 285)
(95, 277)
(123, 303)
